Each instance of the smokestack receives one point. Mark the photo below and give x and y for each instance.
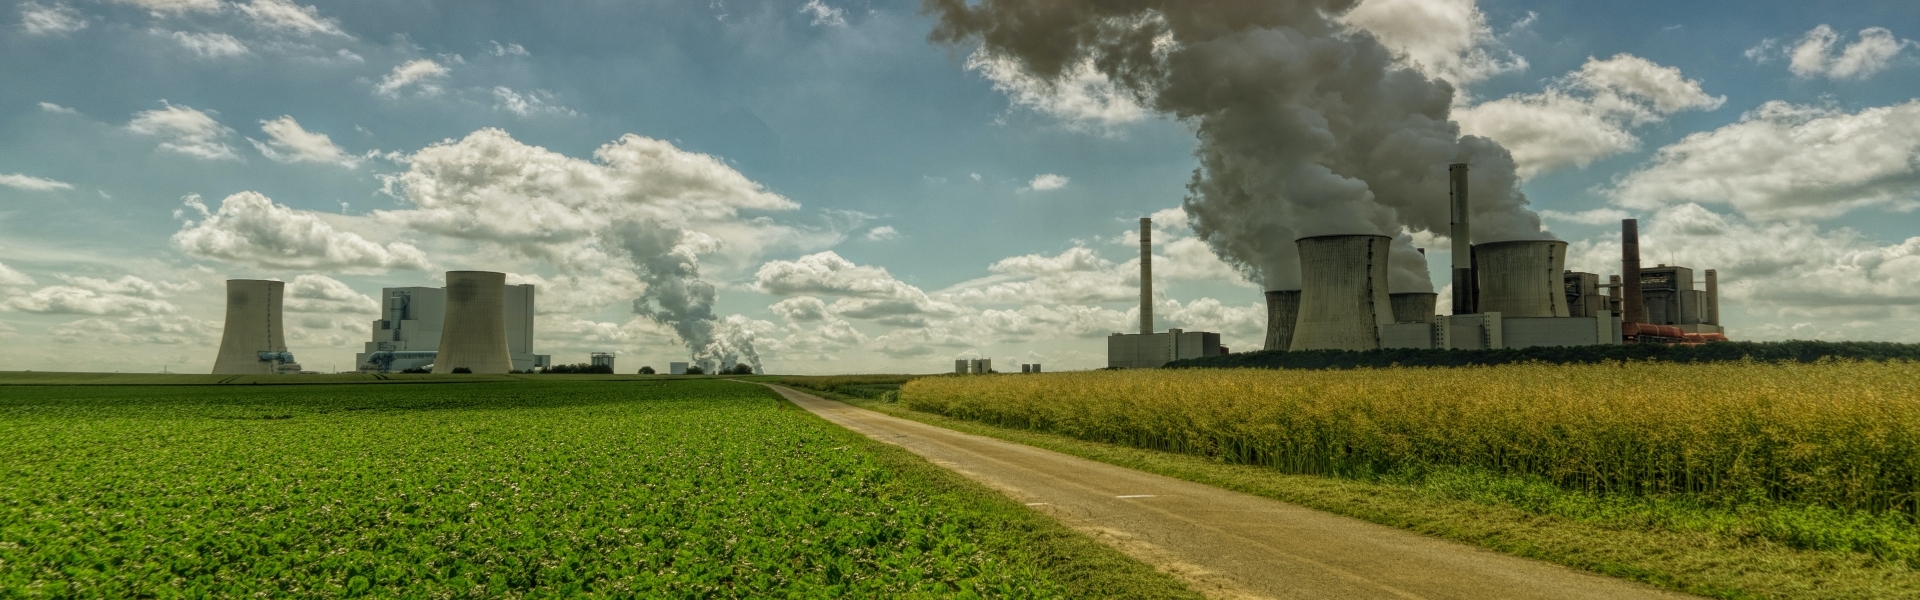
(1522, 279)
(1343, 295)
(253, 329)
(1713, 297)
(474, 334)
(1463, 282)
(1283, 310)
(1633, 305)
(1146, 276)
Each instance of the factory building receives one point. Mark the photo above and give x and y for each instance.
(253, 341)
(601, 359)
(972, 366)
(1506, 294)
(413, 318)
(1149, 350)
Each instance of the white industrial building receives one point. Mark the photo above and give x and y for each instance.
(1149, 350)
(409, 333)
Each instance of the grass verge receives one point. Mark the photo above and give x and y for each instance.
(1668, 542)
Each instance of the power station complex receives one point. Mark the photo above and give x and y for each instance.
(1506, 294)
(477, 324)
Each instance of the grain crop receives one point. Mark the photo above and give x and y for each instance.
(1844, 435)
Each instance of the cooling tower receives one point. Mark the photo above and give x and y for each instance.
(1522, 279)
(1462, 236)
(1283, 310)
(474, 335)
(253, 329)
(1343, 292)
(1413, 307)
(1633, 307)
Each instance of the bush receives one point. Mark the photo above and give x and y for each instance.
(462, 371)
(417, 370)
(695, 370)
(738, 369)
(579, 369)
(1717, 352)
(646, 370)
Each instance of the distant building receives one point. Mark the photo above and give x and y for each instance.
(1155, 350)
(408, 334)
(602, 358)
(678, 368)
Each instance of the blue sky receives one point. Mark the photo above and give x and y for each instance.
(867, 201)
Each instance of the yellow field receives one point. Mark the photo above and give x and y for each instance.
(1845, 435)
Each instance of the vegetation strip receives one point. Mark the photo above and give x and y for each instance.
(1766, 352)
(1676, 542)
(546, 487)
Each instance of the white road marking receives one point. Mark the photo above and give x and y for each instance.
(1137, 496)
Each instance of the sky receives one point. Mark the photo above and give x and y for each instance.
(821, 186)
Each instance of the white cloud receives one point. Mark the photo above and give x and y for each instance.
(1814, 56)
(883, 233)
(866, 292)
(313, 293)
(1784, 160)
(801, 309)
(186, 131)
(422, 75)
(88, 296)
(1047, 182)
(39, 19)
(1075, 276)
(288, 142)
(1083, 96)
(825, 15)
(287, 16)
(1448, 39)
(176, 7)
(585, 292)
(1586, 115)
(1207, 314)
(147, 329)
(210, 45)
(1597, 216)
(57, 109)
(537, 102)
(11, 277)
(508, 50)
(32, 184)
(1056, 321)
(251, 229)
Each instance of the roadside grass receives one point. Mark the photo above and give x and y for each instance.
(1753, 549)
(544, 486)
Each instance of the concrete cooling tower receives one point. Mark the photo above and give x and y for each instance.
(1413, 307)
(1283, 310)
(474, 334)
(253, 341)
(1522, 279)
(1343, 292)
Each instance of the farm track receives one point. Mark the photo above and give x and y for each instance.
(1228, 544)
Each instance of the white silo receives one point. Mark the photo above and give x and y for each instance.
(474, 335)
(1413, 307)
(1343, 292)
(253, 340)
(1283, 310)
(1522, 279)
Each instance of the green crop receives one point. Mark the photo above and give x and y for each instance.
(633, 488)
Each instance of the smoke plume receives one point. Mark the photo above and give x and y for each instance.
(1305, 126)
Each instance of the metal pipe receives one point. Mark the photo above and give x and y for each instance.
(1146, 276)
(1635, 308)
(1463, 296)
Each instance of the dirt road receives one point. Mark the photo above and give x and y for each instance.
(1228, 544)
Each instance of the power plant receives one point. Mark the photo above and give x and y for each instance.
(414, 319)
(1149, 350)
(1506, 294)
(253, 341)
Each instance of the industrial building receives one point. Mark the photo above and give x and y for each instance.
(413, 319)
(1149, 350)
(253, 340)
(601, 359)
(972, 366)
(676, 368)
(1506, 294)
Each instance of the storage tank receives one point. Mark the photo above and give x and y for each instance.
(1522, 279)
(253, 340)
(1283, 309)
(474, 335)
(1413, 307)
(1343, 292)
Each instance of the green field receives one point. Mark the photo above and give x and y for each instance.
(531, 487)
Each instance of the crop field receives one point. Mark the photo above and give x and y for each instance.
(695, 488)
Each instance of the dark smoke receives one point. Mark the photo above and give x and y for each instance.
(1305, 127)
(676, 296)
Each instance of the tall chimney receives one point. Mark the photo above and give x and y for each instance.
(1713, 297)
(1146, 276)
(1634, 307)
(1463, 283)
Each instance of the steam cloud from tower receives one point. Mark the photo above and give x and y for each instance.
(1305, 126)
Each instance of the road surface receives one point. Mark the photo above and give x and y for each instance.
(1227, 544)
